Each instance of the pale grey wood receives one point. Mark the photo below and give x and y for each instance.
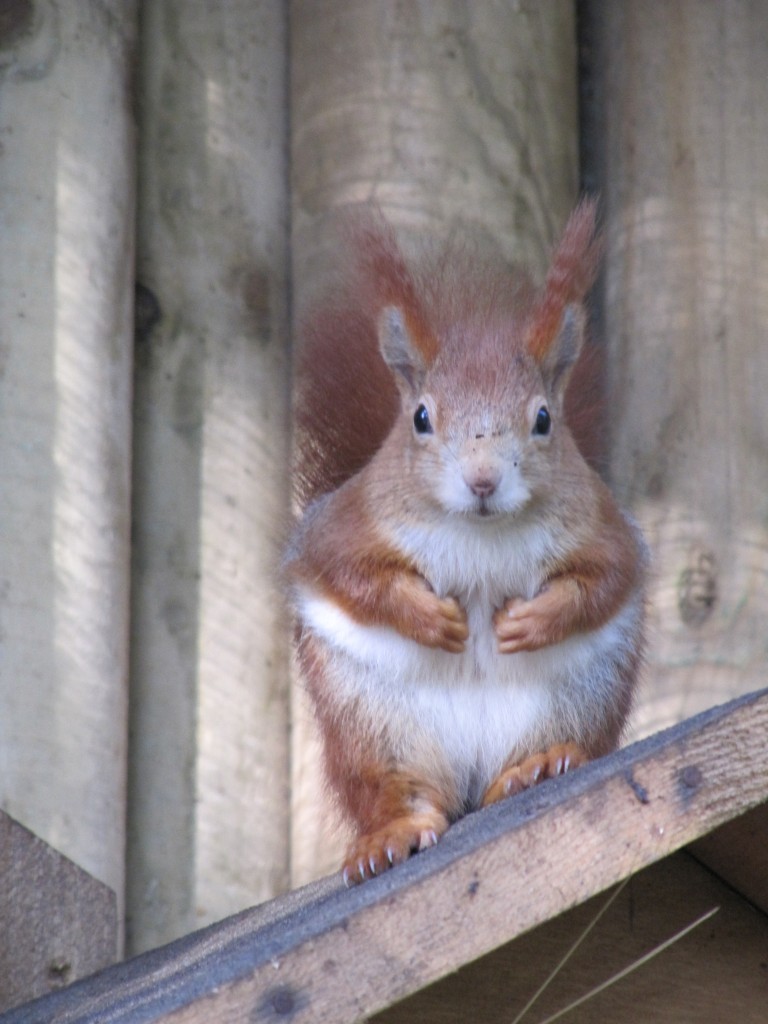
(209, 786)
(680, 148)
(333, 955)
(57, 923)
(66, 290)
(450, 116)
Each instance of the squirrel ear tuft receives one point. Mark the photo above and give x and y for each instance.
(557, 318)
(565, 348)
(398, 347)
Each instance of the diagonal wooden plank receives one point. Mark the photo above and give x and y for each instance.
(702, 976)
(57, 922)
(324, 954)
(737, 853)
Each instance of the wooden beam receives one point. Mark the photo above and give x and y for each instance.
(326, 954)
(66, 288)
(738, 853)
(704, 976)
(208, 776)
(57, 923)
(676, 122)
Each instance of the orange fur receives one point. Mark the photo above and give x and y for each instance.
(547, 764)
(394, 811)
(346, 401)
(352, 562)
(571, 275)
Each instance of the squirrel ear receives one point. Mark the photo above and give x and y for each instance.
(398, 349)
(556, 365)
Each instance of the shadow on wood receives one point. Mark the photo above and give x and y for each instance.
(57, 923)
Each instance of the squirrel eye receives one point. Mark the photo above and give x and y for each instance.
(421, 420)
(543, 421)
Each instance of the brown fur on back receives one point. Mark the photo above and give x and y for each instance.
(346, 398)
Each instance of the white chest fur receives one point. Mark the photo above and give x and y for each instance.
(476, 709)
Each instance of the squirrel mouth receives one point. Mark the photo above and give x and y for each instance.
(489, 511)
(484, 510)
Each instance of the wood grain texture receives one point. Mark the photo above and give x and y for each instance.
(326, 954)
(444, 113)
(679, 150)
(208, 795)
(66, 344)
(57, 923)
(738, 852)
(702, 979)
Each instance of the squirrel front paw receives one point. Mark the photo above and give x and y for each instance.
(431, 620)
(522, 625)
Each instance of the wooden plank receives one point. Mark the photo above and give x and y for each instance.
(738, 853)
(333, 955)
(678, 146)
(208, 803)
(702, 978)
(67, 183)
(57, 923)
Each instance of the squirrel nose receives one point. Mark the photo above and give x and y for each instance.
(483, 488)
(483, 482)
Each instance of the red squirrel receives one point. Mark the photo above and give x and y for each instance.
(469, 597)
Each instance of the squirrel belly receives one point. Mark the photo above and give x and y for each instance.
(463, 716)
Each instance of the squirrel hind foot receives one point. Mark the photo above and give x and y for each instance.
(373, 853)
(547, 764)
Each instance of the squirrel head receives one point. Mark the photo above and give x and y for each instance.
(482, 389)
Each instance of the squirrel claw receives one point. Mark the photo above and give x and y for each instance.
(370, 855)
(548, 764)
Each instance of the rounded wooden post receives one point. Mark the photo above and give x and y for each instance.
(679, 135)
(449, 116)
(209, 771)
(66, 295)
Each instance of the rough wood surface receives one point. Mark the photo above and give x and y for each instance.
(738, 852)
(66, 285)
(57, 923)
(679, 150)
(701, 979)
(445, 113)
(208, 798)
(327, 954)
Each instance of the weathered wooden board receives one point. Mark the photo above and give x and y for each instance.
(704, 977)
(67, 181)
(325, 954)
(208, 779)
(738, 853)
(676, 124)
(57, 923)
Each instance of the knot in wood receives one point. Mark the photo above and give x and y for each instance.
(697, 587)
(691, 776)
